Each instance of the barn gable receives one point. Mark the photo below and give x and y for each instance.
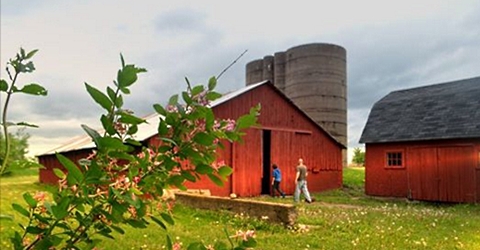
(441, 111)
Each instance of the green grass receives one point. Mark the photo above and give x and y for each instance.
(341, 219)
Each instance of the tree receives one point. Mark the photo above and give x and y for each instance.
(21, 64)
(358, 157)
(18, 150)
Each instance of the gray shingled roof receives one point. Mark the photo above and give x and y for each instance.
(442, 111)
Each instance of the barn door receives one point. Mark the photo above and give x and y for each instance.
(456, 168)
(282, 153)
(442, 173)
(266, 163)
(247, 164)
(423, 173)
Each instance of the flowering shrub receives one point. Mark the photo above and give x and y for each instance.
(123, 182)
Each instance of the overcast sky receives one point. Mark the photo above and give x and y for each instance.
(390, 45)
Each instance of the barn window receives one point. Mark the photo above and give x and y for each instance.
(394, 159)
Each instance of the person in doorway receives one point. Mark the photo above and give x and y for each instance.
(277, 178)
(301, 182)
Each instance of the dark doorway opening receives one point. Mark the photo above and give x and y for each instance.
(266, 151)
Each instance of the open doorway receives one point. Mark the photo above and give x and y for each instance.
(266, 155)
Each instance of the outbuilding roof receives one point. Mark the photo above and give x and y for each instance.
(448, 110)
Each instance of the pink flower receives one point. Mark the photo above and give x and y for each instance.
(244, 235)
(137, 179)
(177, 246)
(230, 126)
(218, 165)
(39, 196)
(172, 109)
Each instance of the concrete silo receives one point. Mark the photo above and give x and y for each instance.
(314, 77)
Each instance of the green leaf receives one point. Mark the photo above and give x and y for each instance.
(60, 210)
(166, 217)
(197, 246)
(112, 143)
(213, 96)
(3, 85)
(130, 119)
(128, 75)
(169, 243)
(186, 97)
(34, 230)
(137, 223)
(92, 133)
(99, 97)
(117, 229)
(33, 89)
(45, 243)
(162, 128)
(173, 100)
(6, 217)
(246, 121)
(111, 93)
(197, 90)
(30, 200)
(31, 54)
(159, 222)
(59, 173)
(119, 101)
(72, 169)
(122, 60)
(108, 125)
(225, 171)
(215, 180)
(159, 109)
(188, 176)
(133, 129)
(177, 180)
(22, 53)
(209, 119)
(203, 169)
(125, 90)
(26, 124)
(133, 142)
(204, 139)
(250, 242)
(20, 209)
(212, 83)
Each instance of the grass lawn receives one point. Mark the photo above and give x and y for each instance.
(341, 219)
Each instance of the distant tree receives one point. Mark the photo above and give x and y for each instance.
(18, 150)
(358, 157)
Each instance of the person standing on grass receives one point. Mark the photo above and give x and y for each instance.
(301, 182)
(277, 178)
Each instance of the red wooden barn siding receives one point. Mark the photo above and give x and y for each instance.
(442, 170)
(50, 162)
(293, 135)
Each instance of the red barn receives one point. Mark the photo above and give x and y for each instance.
(285, 134)
(423, 143)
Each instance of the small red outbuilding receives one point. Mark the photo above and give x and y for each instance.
(424, 143)
(285, 134)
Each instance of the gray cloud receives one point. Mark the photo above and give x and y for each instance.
(385, 52)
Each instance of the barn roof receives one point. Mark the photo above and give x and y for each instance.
(149, 129)
(448, 110)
